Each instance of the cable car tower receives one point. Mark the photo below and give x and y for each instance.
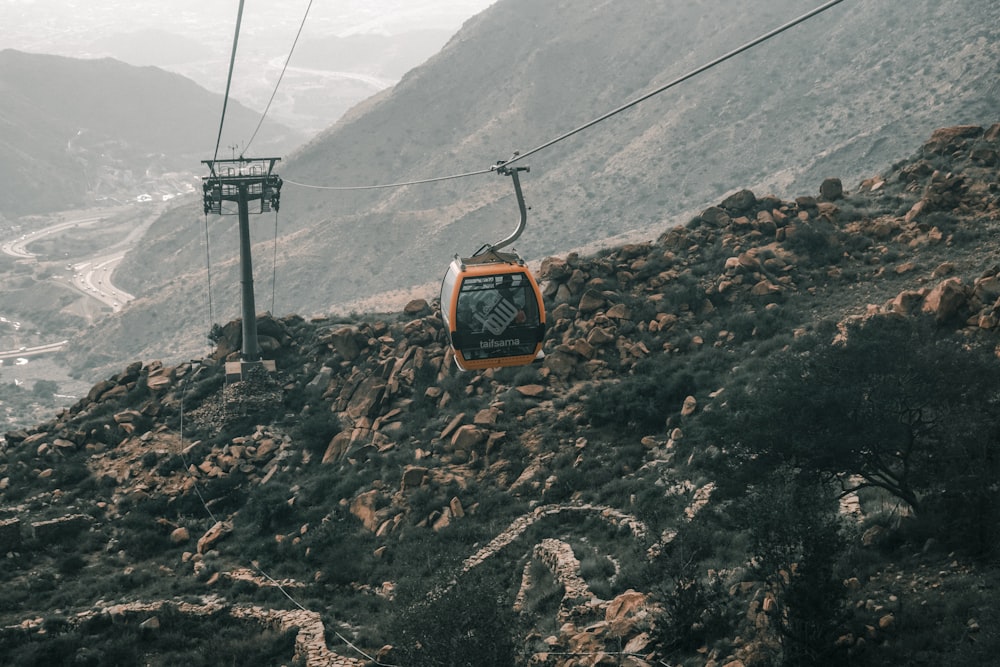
(243, 180)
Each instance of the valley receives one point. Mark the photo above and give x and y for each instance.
(61, 268)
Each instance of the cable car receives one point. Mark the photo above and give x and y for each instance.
(491, 304)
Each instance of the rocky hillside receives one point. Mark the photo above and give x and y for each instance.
(369, 504)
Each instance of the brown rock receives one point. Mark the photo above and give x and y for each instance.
(945, 300)
(467, 437)
(905, 303)
(455, 422)
(416, 307)
(158, 383)
(560, 364)
(715, 216)
(948, 139)
(590, 301)
(739, 202)
(765, 288)
(180, 535)
(220, 530)
(366, 398)
(99, 389)
(486, 417)
(690, 405)
(619, 311)
(600, 336)
(987, 289)
(827, 210)
(748, 261)
(943, 269)
(346, 341)
(554, 268)
(363, 507)
(582, 348)
(127, 416)
(624, 611)
(414, 477)
(442, 521)
(831, 189)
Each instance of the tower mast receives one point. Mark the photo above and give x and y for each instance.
(243, 180)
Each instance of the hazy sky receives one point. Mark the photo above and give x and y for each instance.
(194, 38)
(91, 28)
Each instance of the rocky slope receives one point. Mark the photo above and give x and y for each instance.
(368, 477)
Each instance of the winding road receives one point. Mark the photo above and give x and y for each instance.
(19, 246)
(33, 351)
(91, 276)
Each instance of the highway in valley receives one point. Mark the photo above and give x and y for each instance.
(90, 276)
(93, 278)
(25, 352)
(19, 247)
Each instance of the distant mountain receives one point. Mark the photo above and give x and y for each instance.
(841, 95)
(75, 130)
(153, 46)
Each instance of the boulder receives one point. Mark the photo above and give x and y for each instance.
(715, 217)
(739, 202)
(413, 477)
(219, 531)
(591, 301)
(347, 342)
(625, 611)
(530, 390)
(416, 307)
(467, 437)
(99, 390)
(831, 189)
(554, 268)
(945, 300)
(364, 508)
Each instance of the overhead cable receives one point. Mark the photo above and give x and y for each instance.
(391, 185)
(229, 81)
(280, 77)
(628, 105)
(681, 79)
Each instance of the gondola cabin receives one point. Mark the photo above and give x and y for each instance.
(493, 310)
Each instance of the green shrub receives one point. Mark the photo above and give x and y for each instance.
(468, 625)
(642, 403)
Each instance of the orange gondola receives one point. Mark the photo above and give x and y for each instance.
(492, 306)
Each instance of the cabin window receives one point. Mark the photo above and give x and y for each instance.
(490, 305)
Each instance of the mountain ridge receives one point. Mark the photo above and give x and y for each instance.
(104, 129)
